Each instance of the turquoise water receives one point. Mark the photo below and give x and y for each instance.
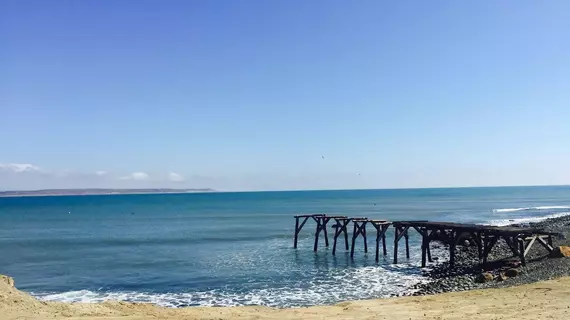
(230, 248)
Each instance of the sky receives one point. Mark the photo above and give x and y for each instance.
(280, 95)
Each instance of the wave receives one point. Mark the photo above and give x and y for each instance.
(532, 208)
(505, 222)
(342, 285)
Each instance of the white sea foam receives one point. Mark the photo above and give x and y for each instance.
(510, 209)
(504, 222)
(551, 207)
(532, 208)
(342, 285)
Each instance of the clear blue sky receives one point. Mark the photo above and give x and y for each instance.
(243, 95)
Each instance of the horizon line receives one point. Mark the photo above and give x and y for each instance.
(213, 190)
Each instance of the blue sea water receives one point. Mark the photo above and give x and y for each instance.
(218, 249)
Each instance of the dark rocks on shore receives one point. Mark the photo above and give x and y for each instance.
(511, 273)
(561, 252)
(485, 277)
(502, 277)
(502, 267)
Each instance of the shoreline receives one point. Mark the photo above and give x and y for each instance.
(545, 299)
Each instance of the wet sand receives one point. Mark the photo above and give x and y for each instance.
(541, 300)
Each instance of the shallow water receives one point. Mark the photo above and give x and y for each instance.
(231, 248)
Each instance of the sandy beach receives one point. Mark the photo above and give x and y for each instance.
(541, 300)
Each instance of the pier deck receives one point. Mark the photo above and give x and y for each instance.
(519, 239)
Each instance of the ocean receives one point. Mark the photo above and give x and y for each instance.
(227, 249)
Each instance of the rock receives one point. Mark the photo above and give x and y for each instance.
(485, 277)
(8, 280)
(502, 277)
(464, 239)
(511, 273)
(560, 252)
(515, 264)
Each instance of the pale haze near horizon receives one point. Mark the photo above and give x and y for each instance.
(258, 95)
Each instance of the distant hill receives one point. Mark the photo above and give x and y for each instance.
(71, 192)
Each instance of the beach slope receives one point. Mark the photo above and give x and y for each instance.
(542, 300)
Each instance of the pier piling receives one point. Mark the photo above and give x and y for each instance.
(381, 227)
(321, 221)
(359, 229)
(299, 226)
(340, 227)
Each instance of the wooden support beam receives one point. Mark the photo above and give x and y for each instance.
(321, 226)
(359, 228)
(424, 251)
(521, 251)
(400, 232)
(529, 245)
(384, 240)
(340, 228)
(381, 228)
(512, 243)
(550, 241)
(428, 249)
(488, 243)
(479, 241)
(396, 239)
(548, 245)
(296, 235)
(298, 228)
(317, 231)
(377, 247)
(324, 228)
(426, 239)
(346, 239)
(407, 238)
(363, 232)
(309, 215)
(453, 234)
(425, 246)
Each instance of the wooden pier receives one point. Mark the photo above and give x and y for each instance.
(341, 228)
(321, 221)
(519, 240)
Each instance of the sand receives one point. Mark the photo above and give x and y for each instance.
(541, 300)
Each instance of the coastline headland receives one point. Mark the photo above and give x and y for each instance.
(97, 191)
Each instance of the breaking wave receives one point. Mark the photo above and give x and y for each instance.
(526, 220)
(342, 285)
(532, 208)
